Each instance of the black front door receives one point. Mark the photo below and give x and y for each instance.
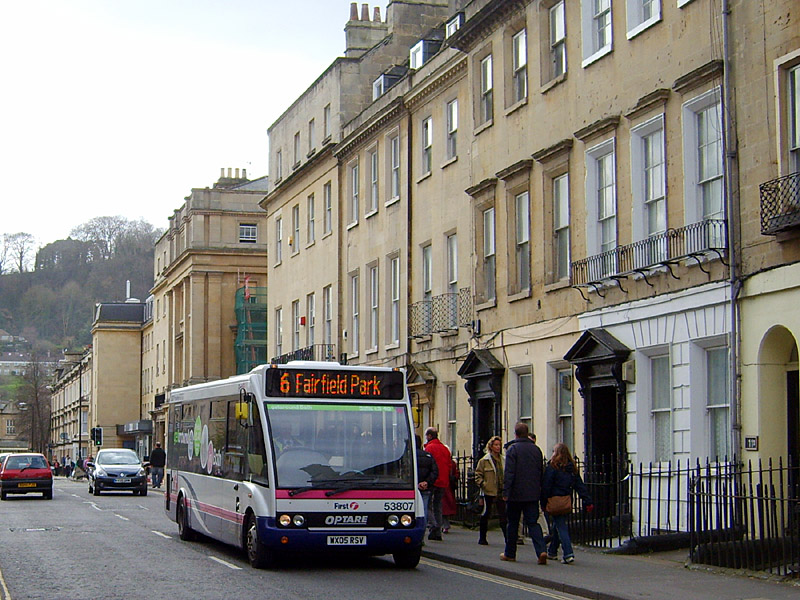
(793, 425)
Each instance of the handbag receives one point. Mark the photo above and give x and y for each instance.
(476, 504)
(559, 505)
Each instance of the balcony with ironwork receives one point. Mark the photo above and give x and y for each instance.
(661, 250)
(316, 352)
(780, 204)
(441, 314)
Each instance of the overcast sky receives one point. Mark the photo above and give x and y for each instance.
(120, 107)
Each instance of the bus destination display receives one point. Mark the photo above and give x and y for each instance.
(316, 383)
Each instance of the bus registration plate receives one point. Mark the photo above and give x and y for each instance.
(347, 540)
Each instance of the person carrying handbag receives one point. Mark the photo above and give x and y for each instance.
(489, 478)
(560, 479)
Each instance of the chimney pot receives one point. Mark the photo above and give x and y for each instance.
(376, 15)
(237, 172)
(365, 12)
(221, 172)
(354, 11)
(244, 173)
(229, 172)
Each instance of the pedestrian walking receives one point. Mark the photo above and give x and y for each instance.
(449, 506)
(489, 479)
(561, 478)
(427, 473)
(442, 457)
(522, 488)
(158, 458)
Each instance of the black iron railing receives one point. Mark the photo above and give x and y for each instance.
(709, 235)
(780, 204)
(321, 352)
(446, 312)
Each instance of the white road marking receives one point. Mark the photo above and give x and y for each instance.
(4, 588)
(164, 535)
(94, 506)
(142, 507)
(226, 563)
(498, 580)
(121, 517)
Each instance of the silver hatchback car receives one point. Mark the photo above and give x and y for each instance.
(117, 469)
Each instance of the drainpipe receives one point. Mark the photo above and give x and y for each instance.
(730, 166)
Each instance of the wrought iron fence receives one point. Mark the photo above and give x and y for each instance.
(320, 352)
(672, 245)
(445, 312)
(780, 204)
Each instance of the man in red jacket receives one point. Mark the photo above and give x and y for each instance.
(442, 457)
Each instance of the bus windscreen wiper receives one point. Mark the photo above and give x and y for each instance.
(317, 484)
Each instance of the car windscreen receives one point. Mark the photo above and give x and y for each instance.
(319, 443)
(25, 462)
(117, 458)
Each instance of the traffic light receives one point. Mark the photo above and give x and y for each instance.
(97, 436)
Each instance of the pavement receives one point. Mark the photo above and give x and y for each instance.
(597, 574)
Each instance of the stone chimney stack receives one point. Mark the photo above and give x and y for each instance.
(231, 179)
(361, 34)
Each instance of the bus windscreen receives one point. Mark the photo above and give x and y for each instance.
(321, 383)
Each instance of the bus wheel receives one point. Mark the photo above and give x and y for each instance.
(258, 554)
(407, 559)
(185, 532)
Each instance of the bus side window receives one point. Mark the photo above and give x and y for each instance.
(236, 446)
(256, 452)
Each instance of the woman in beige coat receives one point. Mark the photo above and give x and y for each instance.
(489, 478)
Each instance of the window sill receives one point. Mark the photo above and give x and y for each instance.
(278, 180)
(483, 127)
(553, 83)
(597, 55)
(351, 356)
(486, 305)
(326, 140)
(520, 295)
(311, 153)
(394, 346)
(643, 26)
(326, 234)
(353, 224)
(371, 351)
(277, 264)
(391, 201)
(308, 245)
(295, 253)
(556, 285)
(424, 177)
(423, 339)
(449, 162)
(516, 106)
(296, 165)
(449, 333)
(371, 213)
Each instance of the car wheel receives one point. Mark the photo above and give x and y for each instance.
(96, 490)
(3, 496)
(407, 559)
(48, 495)
(185, 532)
(90, 487)
(143, 491)
(258, 555)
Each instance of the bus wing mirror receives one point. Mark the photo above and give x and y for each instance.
(242, 407)
(242, 411)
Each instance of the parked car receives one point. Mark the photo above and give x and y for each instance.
(116, 469)
(25, 473)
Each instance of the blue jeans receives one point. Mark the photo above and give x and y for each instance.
(560, 533)
(530, 512)
(426, 500)
(158, 475)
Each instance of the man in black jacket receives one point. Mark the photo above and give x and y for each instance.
(522, 488)
(427, 474)
(158, 458)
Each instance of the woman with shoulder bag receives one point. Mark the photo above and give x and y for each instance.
(560, 479)
(489, 479)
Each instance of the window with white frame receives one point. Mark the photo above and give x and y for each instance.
(328, 208)
(661, 411)
(372, 201)
(278, 331)
(311, 233)
(295, 324)
(525, 398)
(718, 403)
(702, 140)
(602, 207)
(377, 88)
(453, 25)
(294, 242)
(248, 233)
(11, 427)
(278, 165)
(427, 288)
(561, 254)
(558, 40)
(523, 238)
(452, 415)
(354, 193)
(311, 318)
(486, 90)
(278, 240)
(489, 254)
(519, 66)
(296, 156)
(327, 309)
(326, 121)
(394, 284)
(451, 146)
(596, 29)
(794, 119)
(564, 399)
(312, 136)
(641, 15)
(355, 332)
(648, 174)
(426, 139)
(451, 243)
(416, 56)
(394, 165)
(373, 307)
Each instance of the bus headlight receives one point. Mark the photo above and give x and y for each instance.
(393, 520)
(406, 520)
(299, 520)
(285, 520)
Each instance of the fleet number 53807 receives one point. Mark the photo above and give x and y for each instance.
(398, 505)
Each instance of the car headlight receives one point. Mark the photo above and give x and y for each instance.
(141, 472)
(99, 472)
(299, 520)
(406, 520)
(285, 520)
(393, 520)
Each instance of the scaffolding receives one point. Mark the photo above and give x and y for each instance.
(251, 336)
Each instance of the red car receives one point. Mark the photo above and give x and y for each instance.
(25, 473)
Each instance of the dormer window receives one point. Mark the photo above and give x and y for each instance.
(454, 25)
(416, 58)
(378, 88)
(382, 84)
